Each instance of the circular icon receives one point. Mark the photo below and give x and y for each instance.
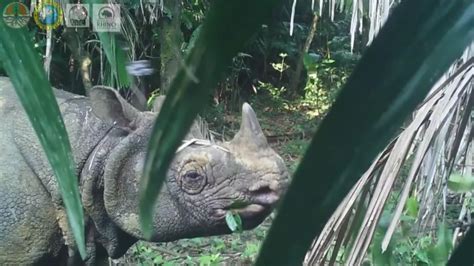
(78, 13)
(78, 16)
(48, 15)
(106, 13)
(16, 15)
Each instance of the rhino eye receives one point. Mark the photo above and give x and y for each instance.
(193, 182)
(192, 175)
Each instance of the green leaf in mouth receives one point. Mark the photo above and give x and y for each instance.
(233, 221)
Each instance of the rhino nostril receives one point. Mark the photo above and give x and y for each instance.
(265, 187)
(262, 190)
(268, 198)
(264, 193)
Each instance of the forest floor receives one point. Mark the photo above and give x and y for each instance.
(289, 128)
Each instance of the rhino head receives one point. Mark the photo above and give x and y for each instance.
(205, 180)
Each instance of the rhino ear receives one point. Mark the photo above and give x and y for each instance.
(250, 133)
(111, 108)
(157, 103)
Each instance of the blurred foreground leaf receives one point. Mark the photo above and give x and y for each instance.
(412, 207)
(227, 27)
(439, 253)
(415, 47)
(461, 183)
(22, 64)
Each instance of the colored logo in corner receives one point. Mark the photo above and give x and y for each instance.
(48, 15)
(16, 15)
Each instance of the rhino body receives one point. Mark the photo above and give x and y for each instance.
(109, 139)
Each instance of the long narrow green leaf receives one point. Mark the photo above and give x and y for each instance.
(229, 24)
(417, 44)
(23, 66)
(116, 57)
(464, 255)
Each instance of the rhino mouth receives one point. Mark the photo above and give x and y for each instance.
(254, 209)
(248, 210)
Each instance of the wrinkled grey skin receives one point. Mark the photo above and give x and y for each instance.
(109, 139)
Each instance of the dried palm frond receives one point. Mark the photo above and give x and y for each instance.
(378, 11)
(418, 162)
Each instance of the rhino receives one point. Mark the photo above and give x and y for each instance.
(109, 139)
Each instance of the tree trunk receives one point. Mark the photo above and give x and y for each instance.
(299, 63)
(171, 39)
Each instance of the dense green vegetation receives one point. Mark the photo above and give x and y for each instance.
(327, 108)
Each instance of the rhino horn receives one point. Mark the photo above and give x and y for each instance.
(250, 133)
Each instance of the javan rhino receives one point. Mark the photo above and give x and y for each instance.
(109, 139)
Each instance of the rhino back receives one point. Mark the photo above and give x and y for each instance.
(28, 227)
(31, 213)
(83, 128)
